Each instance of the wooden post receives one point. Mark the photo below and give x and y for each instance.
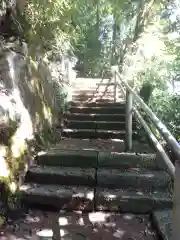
(129, 105)
(176, 204)
(115, 87)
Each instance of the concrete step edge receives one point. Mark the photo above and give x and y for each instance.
(133, 177)
(162, 221)
(62, 197)
(95, 122)
(132, 200)
(61, 175)
(55, 170)
(95, 114)
(69, 130)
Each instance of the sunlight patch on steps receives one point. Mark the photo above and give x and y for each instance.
(41, 153)
(119, 233)
(88, 195)
(48, 233)
(63, 221)
(98, 217)
(117, 140)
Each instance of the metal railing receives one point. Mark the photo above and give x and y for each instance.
(133, 102)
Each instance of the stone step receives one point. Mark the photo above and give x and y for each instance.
(133, 178)
(98, 110)
(93, 134)
(93, 86)
(95, 93)
(95, 117)
(81, 85)
(132, 200)
(80, 124)
(94, 159)
(97, 99)
(93, 80)
(95, 104)
(98, 89)
(162, 221)
(92, 94)
(62, 197)
(115, 160)
(112, 125)
(97, 125)
(68, 158)
(103, 145)
(62, 175)
(105, 83)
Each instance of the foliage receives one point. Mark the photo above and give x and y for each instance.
(141, 37)
(50, 24)
(167, 107)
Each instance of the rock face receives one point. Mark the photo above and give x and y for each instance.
(26, 99)
(31, 97)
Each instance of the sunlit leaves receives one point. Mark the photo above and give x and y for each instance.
(47, 18)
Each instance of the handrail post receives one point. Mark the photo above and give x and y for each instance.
(176, 204)
(128, 128)
(115, 87)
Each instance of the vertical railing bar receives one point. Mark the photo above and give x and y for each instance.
(115, 87)
(122, 89)
(128, 128)
(155, 142)
(120, 85)
(172, 142)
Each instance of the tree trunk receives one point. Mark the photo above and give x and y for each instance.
(141, 21)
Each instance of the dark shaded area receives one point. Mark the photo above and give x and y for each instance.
(146, 91)
(9, 25)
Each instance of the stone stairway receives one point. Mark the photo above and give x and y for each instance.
(90, 180)
(93, 113)
(89, 170)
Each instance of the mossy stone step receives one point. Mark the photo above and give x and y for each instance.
(136, 177)
(68, 158)
(94, 134)
(98, 109)
(95, 117)
(124, 160)
(97, 99)
(96, 95)
(96, 125)
(111, 125)
(61, 175)
(132, 200)
(74, 124)
(63, 197)
(96, 92)
(101, 90)
(95, 104)
(92, 80)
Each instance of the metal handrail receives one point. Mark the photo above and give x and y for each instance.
(131, 95)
